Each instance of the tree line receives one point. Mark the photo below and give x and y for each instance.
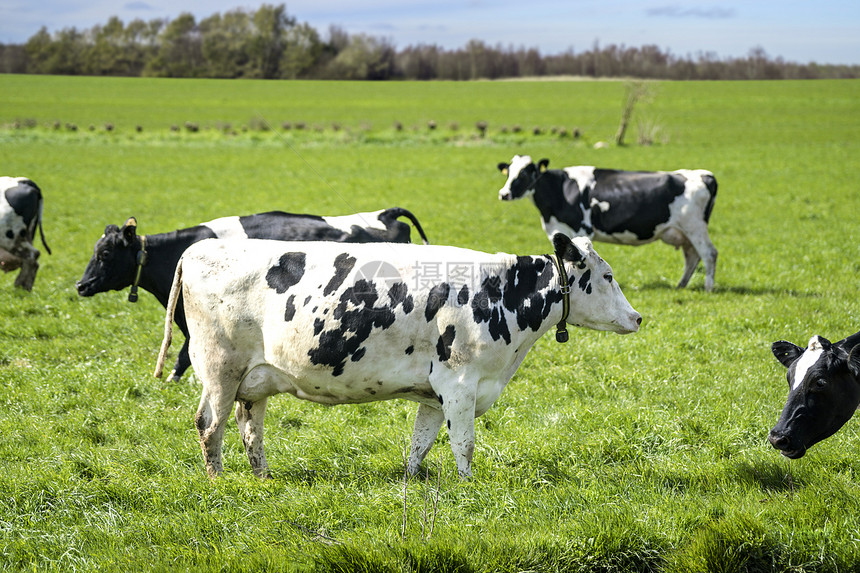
(269, 43)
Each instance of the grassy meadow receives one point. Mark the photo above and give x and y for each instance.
(645, 452)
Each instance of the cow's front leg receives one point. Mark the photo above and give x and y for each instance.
(211, 418)
(249, 417)
(459, 411)
(428, 420)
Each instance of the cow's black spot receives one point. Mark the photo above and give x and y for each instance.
(357, 318)
(318, 326)
(290, 311)
(441, 400)
(410, 349)
(399, 294)
(249, 405)
(343, 264)
(585, 281)
(449, 424)
(307, 300)
(443, 346)
(10, 234)
(436, 299)
(288, 272)
(526, 291)
(358, 354)
(485, 308)
(463, 295)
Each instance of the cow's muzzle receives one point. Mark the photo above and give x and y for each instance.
(784, 444)
(505, 195)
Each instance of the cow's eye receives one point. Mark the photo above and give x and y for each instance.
(819, 384)
(608, 277)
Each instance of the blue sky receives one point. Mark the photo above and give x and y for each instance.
(796, 30)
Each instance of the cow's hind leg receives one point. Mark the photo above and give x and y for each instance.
(183, 362)
(27, 276)
(707, 251)
(427, 424)
(249, 417)
(211, 419)
(691, 261)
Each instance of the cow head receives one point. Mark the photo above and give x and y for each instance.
(824, 391)
(522, 175)
(596, 300)
(114, 260)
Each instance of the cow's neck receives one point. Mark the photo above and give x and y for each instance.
(162, 255)
(558, 196)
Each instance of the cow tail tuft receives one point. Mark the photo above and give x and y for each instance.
(175, 289)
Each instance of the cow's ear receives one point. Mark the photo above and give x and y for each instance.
(785, 352)
(543, 164)
(566, 249)
(503, 167)
(111, 229)
(854, 362)
(129, 230)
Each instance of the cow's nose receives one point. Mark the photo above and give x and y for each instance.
(504, 195)
(639, 320)
(778, 440)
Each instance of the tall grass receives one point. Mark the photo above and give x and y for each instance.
(637, 453)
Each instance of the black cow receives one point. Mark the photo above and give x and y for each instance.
(623, 207)
(123, 258)
(20, 214)
(824, 391)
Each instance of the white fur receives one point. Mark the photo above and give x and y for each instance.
(227, 228)
(807, 360)
(369, 220)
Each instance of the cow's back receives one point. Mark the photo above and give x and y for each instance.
(341, 323)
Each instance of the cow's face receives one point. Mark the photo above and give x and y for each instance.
(824, 391)
(596, 300)
(522, 176)
(114, 261)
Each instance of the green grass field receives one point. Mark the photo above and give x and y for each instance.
(645, 452)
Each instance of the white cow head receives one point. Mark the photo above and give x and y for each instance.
(596, 300)
(522, 175)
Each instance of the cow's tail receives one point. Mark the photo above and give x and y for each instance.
(175, 290)
(711, 183)
(38, 219)
(396, 212)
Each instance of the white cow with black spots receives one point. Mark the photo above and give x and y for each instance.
(623, 207)
(20, 215)
(340, 324)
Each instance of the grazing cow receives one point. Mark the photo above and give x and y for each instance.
(123, 258)
(20, 214)
(824, 391)
(343, 324)
(624, 207)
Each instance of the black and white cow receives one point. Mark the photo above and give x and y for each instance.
(339, 324)
(122, 258)
(20, 214)
(624, 207)
(824, 391)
